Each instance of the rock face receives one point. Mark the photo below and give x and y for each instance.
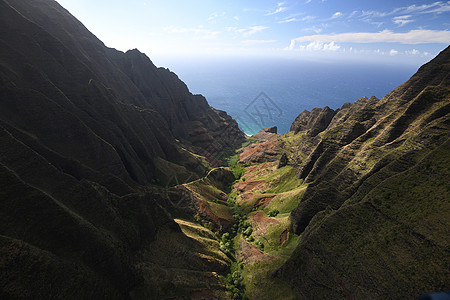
(266, 148)
(373, 218)
(314, 122)
(84, 129)
(266, 134)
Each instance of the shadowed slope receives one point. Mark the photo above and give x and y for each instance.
(86, 134)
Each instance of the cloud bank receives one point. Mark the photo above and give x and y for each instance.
(386, 36)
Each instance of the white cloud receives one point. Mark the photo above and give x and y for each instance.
(336, 15)
(292, 45)
(308, 18)
(247, 31)
(393, 52)
(257, 42)
(315, 46)
(331, 47)
(385, 36)
(402, 20)
(289, 20)
(254, 29)
(278, 10)
(354, 13)
(413, 52)
(436, 7)
(314, 29)
(236, 18)
(297, 18)
(433, 8)
(215, 16)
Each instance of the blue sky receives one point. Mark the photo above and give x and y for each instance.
(388, 31)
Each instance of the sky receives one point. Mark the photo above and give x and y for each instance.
(383, 30)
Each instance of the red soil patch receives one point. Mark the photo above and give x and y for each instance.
(254, 171)
(205, 213)
(249, 253)
(261, 222)
(260, 152)
(265, 201)
(247, 197)
(245, 186)
(191, 200)
(255, 168)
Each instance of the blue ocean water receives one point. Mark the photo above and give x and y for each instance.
(260, 93)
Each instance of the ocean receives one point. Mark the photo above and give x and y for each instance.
(260, 93)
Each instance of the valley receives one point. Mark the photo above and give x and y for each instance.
(116, 182)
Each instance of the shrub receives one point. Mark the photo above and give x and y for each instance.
(274, 213)
(260, 245)
(248, 231)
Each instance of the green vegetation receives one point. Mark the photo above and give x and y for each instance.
(249, 141)
(226, 245)
(261, 227)
(235, 282)
(236, 168)
(274, 236)
(283, 180)
(253, 203)
(241, 224)
(260, 285)
(273, 213)
(287, 201)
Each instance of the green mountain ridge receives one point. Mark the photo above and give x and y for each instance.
(369, 221)
(107, 185)
(90, 141)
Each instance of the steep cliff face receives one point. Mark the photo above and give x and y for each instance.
(72, 59)
(314, 122)
(86, 133)
(372, 219)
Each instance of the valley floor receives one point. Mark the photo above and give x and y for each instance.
(243, 232)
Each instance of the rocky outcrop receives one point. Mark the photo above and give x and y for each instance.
(373, 212)
(284, 160)
(266, 147)
(314, 122)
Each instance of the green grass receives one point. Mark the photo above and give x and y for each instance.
(208, 191)
(287, 201)
(271, 237)
(260, 286)
(283, 180)
(251, 204)
(288, 191)
(203, 236)
(249, 141)
(254, 277)
(213, 198)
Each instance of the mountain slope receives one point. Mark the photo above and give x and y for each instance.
(90, 138)
(373, 219)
